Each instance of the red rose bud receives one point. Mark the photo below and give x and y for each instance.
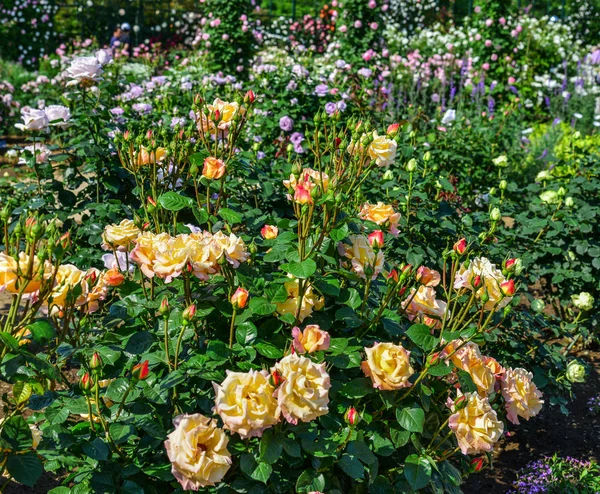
(96, 361)
(189, 313)
(392, 130)
(140, 371)
(460, 247)
(460, 402)
(352, 417)
(276, 379)
(476, 283)
(146, 225)
(151, 201)
(91, 277)
(65, 240)
(477, 464)
(508, 288)
(402, 291)
(249, 97)
(217, 115)
(338, 141)
(149, 135)
(86, 383)
(434, 358)
(164, 308)
(393, 275)
(126, 135)
(240, 298)
(198, 99)
(376, 239)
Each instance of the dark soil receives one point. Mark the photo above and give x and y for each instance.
(576, 435)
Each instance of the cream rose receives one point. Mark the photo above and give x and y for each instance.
(227, 113)
(13, 274)
(312, 339)
(388, 366)
(521, 395)
(171, 257)
(84, 70)
(304, 393)
(490, 279)
(382, 214)
(147, 245)
(362, 257)
(382, 150)
(309, 302)
(68, 277)
(423, 302)
(33, 119)
(476, 426)
(197, 449)
(120, 236)
(245, 403)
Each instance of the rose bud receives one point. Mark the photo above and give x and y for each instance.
(189, 313)
(91, 277)
(140, 371)
(402, 291)
(476, 283)
(86, 383)
(276, 379)
(508, 288)
(217, 115)
(249, 97)
(376, 239)
(240, 298)
(65, 240)
(460, 403)
(406, 272)
(213, 168)
(352, 417)
(151, 204)
(393, 275)
(95, 361)
(302, 195)
(434, 358)
(113, 277)
(509, 264)
(485, 297)
(269, 232)
(460, 247)
(477, 464)
(392, 129)
(164, 308)
(337, 142)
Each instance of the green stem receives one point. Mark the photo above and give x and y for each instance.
(231, 327)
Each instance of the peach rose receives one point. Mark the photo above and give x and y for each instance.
(428, 277)
(239, 298)
(213, 168)
(382, 214)
(304, 393)
(232, 247)
(476, 426)
(382, 150)
(120, 236)
(68, 277)
(147, 157)
(97, 289)
(269, 232)
(521, 395)
(308, 179)
(245, 403)
(490, 278)
(144, 252)
(362, 256)
(197, 449)
(388, 366)
(312, 339)
(423, 303)
(469, 359)
(171, 258)
(13, 274)
(114, 277)
(227, 113)
(309, 301)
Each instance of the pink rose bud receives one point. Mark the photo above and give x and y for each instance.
(151, 201)
(393, 275)
(352, 417)
(376, 239)
(460, 402)
(189, 313)
(509, 265)
(508, 288)
(96, 361)
(86, 383)
(240, 298)
(477, 464)
(149, 135)
(434, 358)
(164, 308)
(249, 97)
(140, 371)
(269, 232)
(460, 247)
(476, 281)
(217, 115)
(392, 130)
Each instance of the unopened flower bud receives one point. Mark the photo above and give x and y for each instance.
(376, 239)
(569, 202)
(189, 313)
(276, 379)
(352, 417)
(427, 156)
(561, 192)
(240, 298)
(508, 288)
(249, 97)
(411, 166)
(86, 383)
(164, 308)
(503, 184)
(485, 297)
(460, 247)
(95, 361)
(495, 214)
(538, 305)
(477, 464)
(140, 371)
(460, 403)
(476, 283)
(392, 129)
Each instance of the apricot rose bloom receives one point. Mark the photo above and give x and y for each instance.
(308, 179)
(362, 256)
(382, 150)
(269, 232)
(214, 168)
(309, 302)
(304, 394)
(312, 339)
(120, 236)
(227, 113)
(476, 426)
(147, 157)
(388, 366)
(13, 274)
(245, 403)
(197, 449)
(382, 214)
(469, 359)
(491, 279)
(422, 302)
(521, 395)
(428, 277)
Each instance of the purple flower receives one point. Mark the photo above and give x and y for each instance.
(341, 105)
(286, 123)
(330, 108)
(321, 90)
(296, 138)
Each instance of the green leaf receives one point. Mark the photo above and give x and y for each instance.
(116, 390)
(351, 466)
(97, 449)
(21, 391)
(440, 369)
(268, 350)
(411, 418)
(258, 471)
(121, 432)
(301, 270)
(42, 331)
(25, 469)
(246, 333)
(261, 306)
(466, 382)
(201, 215)
(310, 481)
(270, 448)
(172, 201)
(420, 335)
(339, 234)
(361, 451)
(417, 471)
(230, 216)
(357, 388)
(17, 433)
(9, 341)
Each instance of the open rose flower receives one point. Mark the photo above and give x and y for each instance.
(388, 366)
(227, 111)
(382, 150)
(365, 262)
(491, 280)
(33, 119)
(467, 357)
(304, 393)
(14, 274)
(308, 180)
(521, 395)
(58, 115)
(245, 403)
(422, 302)
(476, 426)
(197, 449)
(85, 71)
(120, 236)
(214, 168)
(146, 156)
(428, 277)
(312, 339)
(68, 277)
(309, 302)
(382, 214)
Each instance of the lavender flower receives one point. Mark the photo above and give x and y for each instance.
(286, 124)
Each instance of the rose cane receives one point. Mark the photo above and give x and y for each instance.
(139, 372)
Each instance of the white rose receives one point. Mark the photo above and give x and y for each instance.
(449, 117)
(104, 57)
(33, 119)
(58, 115)
(84, 70)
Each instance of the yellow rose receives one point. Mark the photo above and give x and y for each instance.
(382, 214)
(227, 112)
(310, 301)
(147, 157)
(245, 403)
(469, 359)
(388, 366)
(482, 272)
(382, 150)
(120, 236)
(521, 395)
(312, 339)
(362, 257)
(213, 168)
(197, 449)
(232, 247)
(309, 179)
(423, 302)
(200, 256)
(68, 277)
(171, 257)
(304, 393)
(476, 426)
(144, 252)
(13, 274)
